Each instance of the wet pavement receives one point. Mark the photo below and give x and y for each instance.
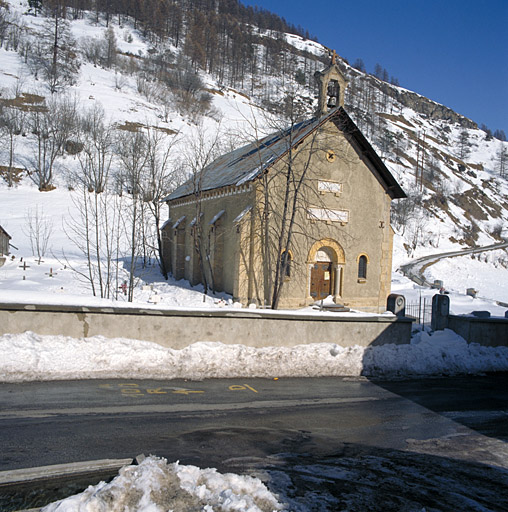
(322, 444)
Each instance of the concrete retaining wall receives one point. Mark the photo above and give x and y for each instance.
(179, 328)
(491, 332)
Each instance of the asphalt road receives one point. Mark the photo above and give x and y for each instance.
(452, 426)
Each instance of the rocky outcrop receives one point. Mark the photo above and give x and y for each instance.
(412, 100)
(429, 108)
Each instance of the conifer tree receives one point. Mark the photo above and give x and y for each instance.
(502, 160)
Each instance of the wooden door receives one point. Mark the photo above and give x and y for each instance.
(321, 280)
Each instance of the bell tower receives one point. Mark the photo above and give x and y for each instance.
(332, 85)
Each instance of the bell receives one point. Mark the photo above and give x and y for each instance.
(332, 101)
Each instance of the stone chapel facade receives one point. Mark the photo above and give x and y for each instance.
(342, 238)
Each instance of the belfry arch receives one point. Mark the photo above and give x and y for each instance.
(331, 86)
(325, 263)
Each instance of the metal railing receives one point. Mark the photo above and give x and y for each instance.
(421, 311)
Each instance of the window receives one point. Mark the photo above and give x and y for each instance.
(285, 263)
(362, 267)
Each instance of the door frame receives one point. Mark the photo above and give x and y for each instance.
(338, 262)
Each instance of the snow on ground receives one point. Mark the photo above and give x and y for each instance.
(65, 286)
(460, 303)
(483, 272)
(355, 480)
(32, 357)
(53, 281)
(154, 485)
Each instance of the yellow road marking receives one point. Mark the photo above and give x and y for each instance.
(186, 391)
(156, 391)
(238, 387)
(133, 389)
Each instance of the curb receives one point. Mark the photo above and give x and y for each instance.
(19, 478)
(28, 475)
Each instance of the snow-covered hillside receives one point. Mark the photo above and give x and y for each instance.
(449, 168)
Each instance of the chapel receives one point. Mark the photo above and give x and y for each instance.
(306, 209)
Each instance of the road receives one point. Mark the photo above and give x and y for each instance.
(353, 433)
(413, 270)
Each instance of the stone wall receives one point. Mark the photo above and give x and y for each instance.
(479, 327)
(491, 332)
(179, 328)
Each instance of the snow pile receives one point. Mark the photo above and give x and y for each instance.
(440, 353)
(29, 357)
(156, 486)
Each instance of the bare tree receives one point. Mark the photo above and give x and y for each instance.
(51, 54)
(52, 127)
(463, 145)
(4, 22)
(162, 175)
(100, 51)
(98, 226)
(96, 229)
(96, 142)
(188, 88)
(38, 229)
(292, 178)
(59, 62)
(202, 149)
(502, 159)
(133, 156)
(11, 125)
(110, 48)
(404, 212)
(285, 190)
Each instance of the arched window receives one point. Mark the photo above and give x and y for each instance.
(285, 263)
(362, 267)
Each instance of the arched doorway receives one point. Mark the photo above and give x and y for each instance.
(326, 265)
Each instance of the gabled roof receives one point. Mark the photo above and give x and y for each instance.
(2, 230)
(249, 162)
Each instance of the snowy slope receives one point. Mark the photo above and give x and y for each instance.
(462, 201)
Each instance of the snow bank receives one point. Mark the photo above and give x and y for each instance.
(440, 353)
(154, 485)
(29, 357)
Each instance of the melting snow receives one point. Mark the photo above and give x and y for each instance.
(156, 486)
(30, 356)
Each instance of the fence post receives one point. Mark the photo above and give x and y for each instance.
(396, 304)
(440, 312)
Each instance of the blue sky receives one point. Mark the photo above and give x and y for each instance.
(454, 52)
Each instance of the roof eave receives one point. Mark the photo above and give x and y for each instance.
(391, 185)
(5, 233)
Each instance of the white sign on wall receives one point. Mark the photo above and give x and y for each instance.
(330, 186)
(327, 215)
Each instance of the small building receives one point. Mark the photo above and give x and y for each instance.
(305, 209)
(4, 242)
